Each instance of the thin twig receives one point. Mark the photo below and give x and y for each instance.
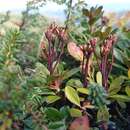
(110, 68)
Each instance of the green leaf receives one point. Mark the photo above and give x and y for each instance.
(127, 90)
(75, 112)
(121, 98)
(74, 83)
(51, 99)
(115, 86)
(120, 67)
(53, 114)
(40, 68)
(83, 90)
(99, 78)
(122, 104)
(59, 125)
(108, 30)
(129, 73)
(65, 111)
(86, 12)
(72, 95)
(43, 91)
(98, 10)
(103, 114)
(118, 55)
(59, 67)
(68, 74)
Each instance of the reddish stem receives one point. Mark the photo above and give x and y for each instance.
(59, 57)
(49, 58)
(86, 70)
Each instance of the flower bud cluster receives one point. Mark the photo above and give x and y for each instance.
(88, 49)
(108, 44)
(55, 32)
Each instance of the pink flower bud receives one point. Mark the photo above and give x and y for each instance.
(93, 42)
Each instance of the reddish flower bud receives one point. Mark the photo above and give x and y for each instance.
(93, 42)
(108, 44)
(54, 31)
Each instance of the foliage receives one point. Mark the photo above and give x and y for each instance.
(77, 77)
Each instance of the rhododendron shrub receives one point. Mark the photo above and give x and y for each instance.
(76, 78)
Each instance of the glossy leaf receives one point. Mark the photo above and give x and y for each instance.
(51, 99)
(115, 86)
(127, 90)
(103, 114)
(53, 114)
(118, 55)
(41, 67)
(99, 78)
(58, 125)
(68, 74)
(129, 73)
(65, 111)
(98, 10)
(122, 98)
(83, 90)
(75, 112)
(74, 83)
(72, 95)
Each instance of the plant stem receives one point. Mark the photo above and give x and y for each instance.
(49, 58)
(110, 68)
(59, 57)
(86, 70)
